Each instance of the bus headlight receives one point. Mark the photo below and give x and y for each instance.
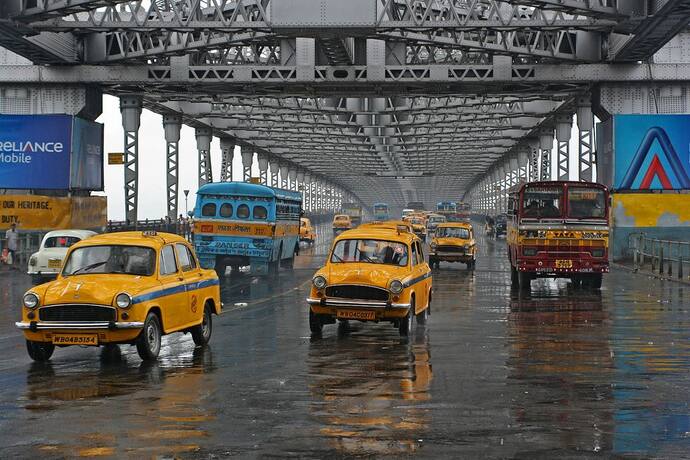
(396, 287)
(123, 300)
(30, 300)
(319, 282)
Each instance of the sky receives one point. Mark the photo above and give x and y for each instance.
(152, 189)
(152, 194)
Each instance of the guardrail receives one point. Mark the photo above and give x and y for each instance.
(665, 257)
(179, 228)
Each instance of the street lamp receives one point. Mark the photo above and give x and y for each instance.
(186, 207)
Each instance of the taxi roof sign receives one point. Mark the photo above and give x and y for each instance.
(149, 233)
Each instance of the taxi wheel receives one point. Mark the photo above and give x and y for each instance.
(201, 334)
(315, 324)
(423, 315)
(405, 326)
(40, 351)
(149, 340)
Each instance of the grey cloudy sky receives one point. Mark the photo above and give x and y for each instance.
(152, 194)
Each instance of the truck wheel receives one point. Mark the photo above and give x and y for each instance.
(315, 324)
(201, 334)
(40, 351)
(525, 281)
(514, 281)
(593, 281)
(149, 340)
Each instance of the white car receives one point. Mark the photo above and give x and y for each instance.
(47, 262)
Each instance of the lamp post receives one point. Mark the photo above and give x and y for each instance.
(186, 207)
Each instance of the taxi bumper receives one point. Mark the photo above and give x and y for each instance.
(356, 303)
(78, 325)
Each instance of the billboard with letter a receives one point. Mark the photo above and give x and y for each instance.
(651, 152)
(50, 152)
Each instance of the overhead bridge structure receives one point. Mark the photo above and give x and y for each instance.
(357, 100)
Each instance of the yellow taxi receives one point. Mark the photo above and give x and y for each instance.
(372, 275)
(453, 242)
(122, 288)
(306, 231)
(341, 222)
(418, 225)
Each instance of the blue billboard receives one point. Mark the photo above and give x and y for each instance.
(50, 152)
(651, 152)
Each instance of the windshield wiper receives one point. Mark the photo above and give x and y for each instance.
(89, 267)
(339, 258)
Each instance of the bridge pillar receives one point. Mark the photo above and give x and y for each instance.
(564, 125)
(130, 108)
(300, 185)
(275, 169)
(585, 124)
(247, 160)
(546, 145)
(203, 146)
(172, 125)
(292, 175)
(533, 151)
(227, 148)
(263, 169)
(284, 183)
(307, 193)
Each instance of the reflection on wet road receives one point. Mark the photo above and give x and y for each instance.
(557, 372)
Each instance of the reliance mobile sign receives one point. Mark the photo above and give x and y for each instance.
(40, 152)
(652, 152)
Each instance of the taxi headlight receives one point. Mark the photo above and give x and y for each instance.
(319, 282)
(123, 300)
(396, 287)
(30, 300)
(32, 261)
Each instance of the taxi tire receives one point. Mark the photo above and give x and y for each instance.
(315, 324)
(201, 333)
(40, 351)
(149, 340)
(405, 325)
(423, 315)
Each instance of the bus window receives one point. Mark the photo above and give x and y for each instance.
(586, 203)
(538, 202)
(260, 213)
(226, 210)
(209, 210)
(243, 211)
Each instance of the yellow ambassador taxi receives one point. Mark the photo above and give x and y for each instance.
(341, 222)
(372, 274)
(122, 288)
(306, 231)
(453, 242)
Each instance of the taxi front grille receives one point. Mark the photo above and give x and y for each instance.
(77, 312)
(459, 249)
(348, 291)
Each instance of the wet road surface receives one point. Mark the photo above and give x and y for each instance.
(555, 373)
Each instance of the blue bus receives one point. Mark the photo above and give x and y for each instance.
(381, 211)
(238, 224)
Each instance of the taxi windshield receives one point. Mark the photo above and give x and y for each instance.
(452, 232)
(540, 202)
(416, 221)
(586, 203)
(370, 251)
(130, 260)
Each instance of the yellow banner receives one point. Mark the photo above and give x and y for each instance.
(35, 212)
(250, 229)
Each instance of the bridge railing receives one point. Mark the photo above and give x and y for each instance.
(182, 228)
(665, 257)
